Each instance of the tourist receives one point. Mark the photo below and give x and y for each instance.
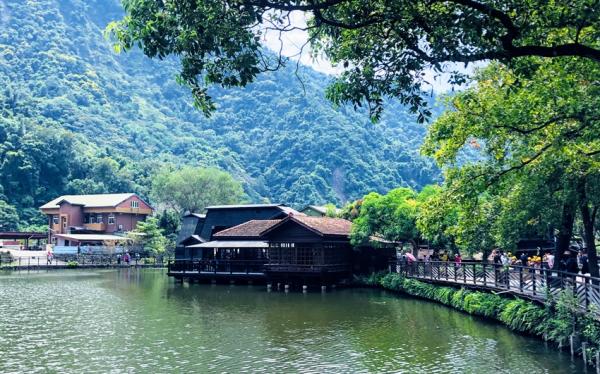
(126, 258)
(496, 257)
(550, 260)
(457, 259)
(49, 257)
(118, 259)
(524, 259)
(504, 259)
(571, 263)
(585, 264)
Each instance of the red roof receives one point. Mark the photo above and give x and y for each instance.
(250, 229)
(325, 225)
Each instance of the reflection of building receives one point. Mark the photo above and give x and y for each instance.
(93, 219)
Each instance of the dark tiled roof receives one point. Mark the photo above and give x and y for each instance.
(244, 206)
(325, 225)
(248, 229)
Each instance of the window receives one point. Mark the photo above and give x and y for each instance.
(135, 204)
(120, 227)
(92, 219)
(111, 220)
(99, 218)
(55, 220)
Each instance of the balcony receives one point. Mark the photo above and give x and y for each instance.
(95, 226)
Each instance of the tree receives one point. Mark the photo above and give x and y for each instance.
(191, 189)
(150, 236)
(384, 46)
(9, 219)
(391, 216)
(536, 127)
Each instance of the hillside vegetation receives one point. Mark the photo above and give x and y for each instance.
(76, 117)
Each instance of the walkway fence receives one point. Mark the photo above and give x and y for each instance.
(80, 260)
(217, 267)
(531, 282)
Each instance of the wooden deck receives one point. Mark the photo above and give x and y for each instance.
(533, 283)
(255, 270)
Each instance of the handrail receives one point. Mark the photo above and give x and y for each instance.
(537, 283)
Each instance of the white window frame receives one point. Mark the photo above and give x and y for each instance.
(135, 204)
(55, 220)
(99, 218)
(111, 219)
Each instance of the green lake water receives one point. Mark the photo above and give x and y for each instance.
(140, 321)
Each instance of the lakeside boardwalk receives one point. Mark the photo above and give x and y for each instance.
(537, 284)
(79, 262)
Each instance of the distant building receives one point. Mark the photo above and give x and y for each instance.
(75, 220)
(317, 210)
(272, 242)
(200, 228)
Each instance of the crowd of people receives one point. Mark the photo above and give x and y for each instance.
(571, 262)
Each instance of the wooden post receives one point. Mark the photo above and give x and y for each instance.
(584, 353)
(597, 362)
(484, 275)
(520, 279)
(572, 343)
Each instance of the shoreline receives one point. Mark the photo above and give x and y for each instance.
(520, 315)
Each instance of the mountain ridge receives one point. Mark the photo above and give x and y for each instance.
(279, 135)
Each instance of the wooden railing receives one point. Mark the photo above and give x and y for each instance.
(217, 266)
(531, 282)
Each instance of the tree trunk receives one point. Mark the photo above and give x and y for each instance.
(565, 232)
(588, 219)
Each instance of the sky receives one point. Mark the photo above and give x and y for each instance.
(292, 41)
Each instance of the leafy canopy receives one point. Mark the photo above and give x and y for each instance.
(536, 127)
(384, 46)
(192, 189)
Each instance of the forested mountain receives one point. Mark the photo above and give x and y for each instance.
(76, 117)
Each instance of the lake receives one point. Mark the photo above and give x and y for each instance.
(134, 320)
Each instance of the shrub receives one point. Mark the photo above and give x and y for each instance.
(457, 300)
(484, 304)
(444, 295)
(72, 264)
(392, 282)
(522, 315)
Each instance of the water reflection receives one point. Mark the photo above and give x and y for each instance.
(139, 321)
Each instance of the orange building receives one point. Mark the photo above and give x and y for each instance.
(92, 219)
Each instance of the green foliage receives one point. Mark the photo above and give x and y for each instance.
(484, 304)
(150, 236)
(535, 126)
(193, 189)
(9, 218)
(556, 322)
(522, 315)
(383, 47)
(77, 118)
(391, 216)
(72, 264)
